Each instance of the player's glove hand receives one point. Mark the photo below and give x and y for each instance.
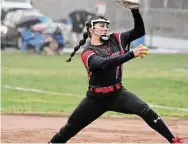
(131, 4)
(140, 51)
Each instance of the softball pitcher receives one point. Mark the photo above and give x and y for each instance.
(103, 58)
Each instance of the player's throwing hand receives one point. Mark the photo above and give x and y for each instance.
(140, 51)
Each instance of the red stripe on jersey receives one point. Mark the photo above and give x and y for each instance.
(122, 51)
(85, 56)
(118, 37)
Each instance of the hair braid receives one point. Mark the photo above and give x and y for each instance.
(81, 43)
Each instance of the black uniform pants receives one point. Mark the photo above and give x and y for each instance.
(93, 106)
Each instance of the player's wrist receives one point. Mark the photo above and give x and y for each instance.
(132, 54)
(135, 10)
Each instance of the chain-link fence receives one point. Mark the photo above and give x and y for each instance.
(161, 17)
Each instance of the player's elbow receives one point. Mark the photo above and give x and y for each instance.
(141, 33)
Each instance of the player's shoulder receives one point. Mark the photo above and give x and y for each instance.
(87, 49)
(86, 53)
(115, 34)
(114, 37)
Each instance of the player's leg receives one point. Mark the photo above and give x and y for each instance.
(127, 102)
(86, 112)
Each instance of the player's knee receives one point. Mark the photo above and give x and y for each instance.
(144, 110)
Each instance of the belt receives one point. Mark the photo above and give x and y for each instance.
(108, 89)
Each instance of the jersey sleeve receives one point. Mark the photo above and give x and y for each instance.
(138, 31)
(93, 62)
(85, 56)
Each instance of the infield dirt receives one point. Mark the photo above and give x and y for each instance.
(39, 129)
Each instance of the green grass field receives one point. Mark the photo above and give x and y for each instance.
(157, 79)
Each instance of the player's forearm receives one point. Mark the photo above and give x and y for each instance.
(139, 29)
(106, 63)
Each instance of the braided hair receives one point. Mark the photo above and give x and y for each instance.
(85, 36)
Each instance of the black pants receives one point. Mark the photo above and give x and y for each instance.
(93, 106)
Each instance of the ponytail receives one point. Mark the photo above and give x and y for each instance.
(81, 43)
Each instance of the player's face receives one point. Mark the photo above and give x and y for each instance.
(101, 29)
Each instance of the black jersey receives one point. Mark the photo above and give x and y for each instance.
(104, 62)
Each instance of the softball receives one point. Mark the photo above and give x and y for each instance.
(145, 50)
